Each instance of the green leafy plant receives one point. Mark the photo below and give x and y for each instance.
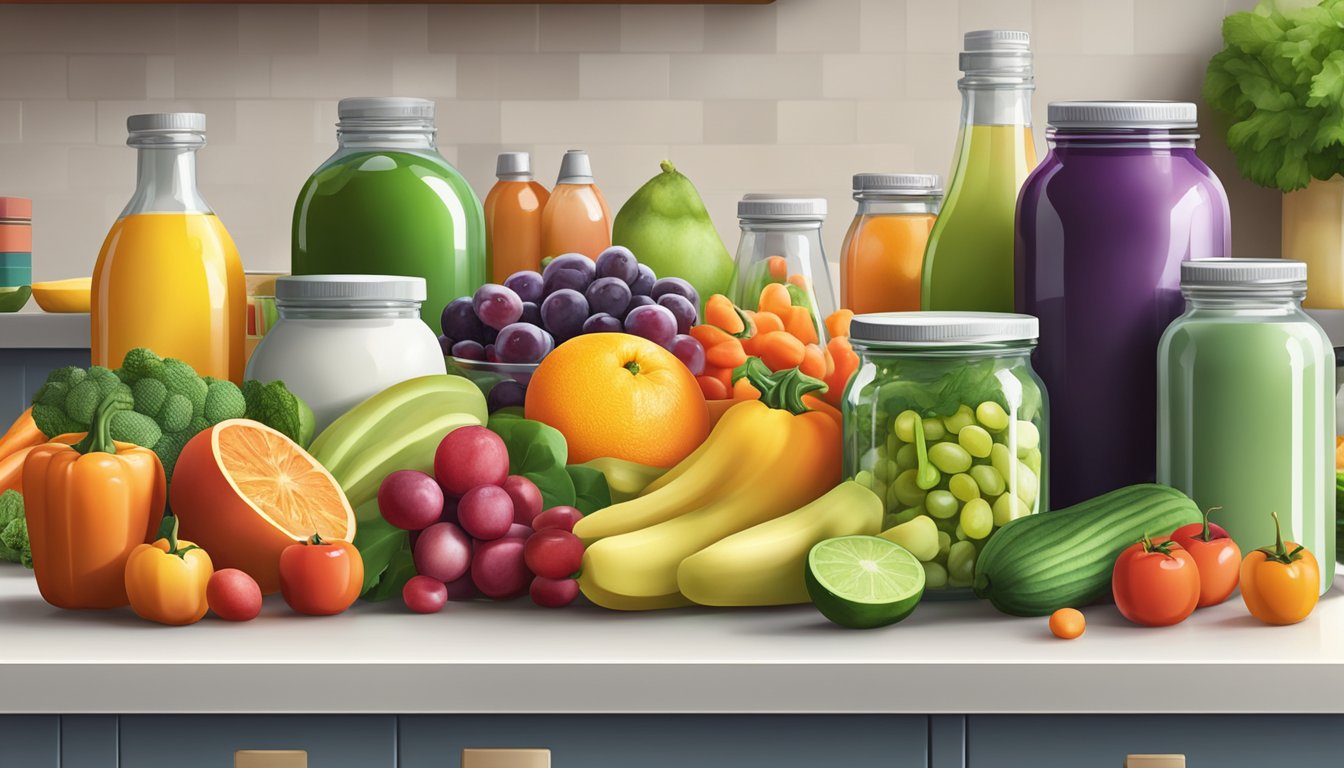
(1280, 79)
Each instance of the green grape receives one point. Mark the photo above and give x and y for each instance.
(1003, 462)
(950, 458)
(961, 561)
(941, 504)
(977, 519)
(954, 583)
(990, 481)
(864, 477)
(893, 445)
(886, 470)
(976, 441)
(964, 417)
(881, 489)
(1028, 438)
(992, 416)
(935, 576)
(1028, 485)
(933, 430)
(960, 533)
(963, 486)
(946, 524)
(1033, 460)
(944, 542)
(908, 456)
(907, 493)
(1008, 508)
(904, 426)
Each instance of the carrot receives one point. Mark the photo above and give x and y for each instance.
(1339, 453)
(799, 281)
(710, 336)
(720, 312)
(779, 268)
(743, 390)
(722, 375)
(767, 322)
(775, 298)
(798, 322)
(712, 388)
(780, 350)
(846, 363)
(837, 324)
(728, 355)
(23, 433)
(814, 362)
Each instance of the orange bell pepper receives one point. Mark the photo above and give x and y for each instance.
(23, 433)
(166, 580)
(87, 507)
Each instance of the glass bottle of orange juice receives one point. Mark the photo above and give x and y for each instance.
(513, 217)
(883, 255)
(168, 276)
(576, 218)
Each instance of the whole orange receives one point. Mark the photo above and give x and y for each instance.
(618, 395)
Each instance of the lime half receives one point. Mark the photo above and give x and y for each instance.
(863, 581)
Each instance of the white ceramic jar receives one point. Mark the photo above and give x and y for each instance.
(341, 339)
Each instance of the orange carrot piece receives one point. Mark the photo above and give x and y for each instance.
(837, 324)
(780, 350)
(798, 280)
(767, 322)
(846, 363)
(798, 322)
(814, 362)
(710, 336)
(720, 312)
(712, 388)
(775, 298)
(778, 267)
(728, 355)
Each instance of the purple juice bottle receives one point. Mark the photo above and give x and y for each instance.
(1103, 224)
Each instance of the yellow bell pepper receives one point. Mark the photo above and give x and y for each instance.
(166, 580)
(87, 506)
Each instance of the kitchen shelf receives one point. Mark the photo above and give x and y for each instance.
(517, 658)
(42, 330)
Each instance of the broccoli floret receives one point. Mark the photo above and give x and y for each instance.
(223, 401)
(275, 406)
(14, 530)
(132, 427)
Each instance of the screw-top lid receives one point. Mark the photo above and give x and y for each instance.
(166, 122)
(346, 288)
(575, 168)
(757, 205)
(996, 52)
(1243, 273)
(996, 40)
(1122, 114)
(513, 166)
(20, 208)
(897, 184)
(942, 329)
(385, 107)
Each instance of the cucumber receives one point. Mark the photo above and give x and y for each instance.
(1038, 564)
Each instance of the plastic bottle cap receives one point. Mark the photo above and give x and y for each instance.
(898, 184)
(166, 122)
(1122, 114)
(996, 53)
(506, 758)
(16, 209)
(997, 40)
(575, 168)
(513, 166)
(391, 107)
(758, 205)
(942, 329)
(1247, 273)
(344, 288)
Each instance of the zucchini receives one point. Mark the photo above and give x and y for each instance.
(1038, 564)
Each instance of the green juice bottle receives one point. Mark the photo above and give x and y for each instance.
(387, 203)
(968, 261)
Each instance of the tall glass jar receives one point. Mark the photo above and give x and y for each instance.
(1102, 227)
(947, 422)
(781, 246)
(883, 255)
(1246, 404)
(387, 203)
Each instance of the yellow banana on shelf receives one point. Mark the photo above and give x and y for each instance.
(763, 565)
(626, 479)
(614, 602)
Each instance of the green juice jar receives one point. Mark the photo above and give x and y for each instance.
(947, 422)
(387, 203)
(1246, 405)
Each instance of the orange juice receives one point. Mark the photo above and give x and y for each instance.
(882, 259)
(513, 213)
(171, 282)
(576, 218)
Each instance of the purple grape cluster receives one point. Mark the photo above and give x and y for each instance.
(522, 320)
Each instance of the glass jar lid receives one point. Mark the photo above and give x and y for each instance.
(1243, 274)
(1158, 115)
(344, 289)
(166, 122)
(942, 329)
(781, 207)
(923, 184)
(996, 52)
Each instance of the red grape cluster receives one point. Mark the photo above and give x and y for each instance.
(477, 531)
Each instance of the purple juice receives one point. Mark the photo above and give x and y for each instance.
(1103, 224)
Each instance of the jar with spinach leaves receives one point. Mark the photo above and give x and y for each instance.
(947, 422)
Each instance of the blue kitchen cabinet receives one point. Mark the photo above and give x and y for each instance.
(30, 741)
(209, 741)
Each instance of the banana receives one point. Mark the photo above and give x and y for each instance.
(626, 479)
(614, 602)
(763, 565)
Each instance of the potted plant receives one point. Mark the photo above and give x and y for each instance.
(1280, 79)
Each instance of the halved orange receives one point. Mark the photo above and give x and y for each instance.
(243, 492)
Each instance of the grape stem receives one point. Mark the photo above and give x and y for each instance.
(927, 476)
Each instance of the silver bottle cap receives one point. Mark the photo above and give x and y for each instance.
(513, 166)
(1122, 114)
(575, 168)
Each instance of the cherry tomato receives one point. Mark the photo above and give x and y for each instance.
(1216, 555)
(1068, 623)
(1280, 584)
(319, 577)
(233, 595)
(1155, 583)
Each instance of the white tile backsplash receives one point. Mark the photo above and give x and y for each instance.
(791, 96)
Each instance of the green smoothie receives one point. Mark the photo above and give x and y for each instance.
(1246, 415)
(392, 213)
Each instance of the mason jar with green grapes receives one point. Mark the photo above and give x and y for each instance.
(946, 421)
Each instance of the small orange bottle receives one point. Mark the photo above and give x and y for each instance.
(882, 259)
(513, 218)
(576, 218)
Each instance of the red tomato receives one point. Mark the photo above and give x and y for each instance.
(319, 577)
(1155, 583)
(233, 595)
(1216, 555)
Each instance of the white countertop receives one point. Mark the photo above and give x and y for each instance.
(517, 658)
(35, 329)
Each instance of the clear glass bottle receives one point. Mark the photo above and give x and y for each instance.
(1246, 405)
(968, 264)
(387, 203)
(882, 258)
(960, 386)
(168, 276)
(781, 245)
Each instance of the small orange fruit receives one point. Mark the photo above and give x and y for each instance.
(1068, 623)
(618, 395)
(244, 492)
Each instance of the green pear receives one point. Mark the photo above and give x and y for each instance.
(666, 226)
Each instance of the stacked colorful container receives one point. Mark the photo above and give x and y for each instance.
(16, 252)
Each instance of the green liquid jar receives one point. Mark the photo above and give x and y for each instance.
(388, 203)
(1246, 405)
